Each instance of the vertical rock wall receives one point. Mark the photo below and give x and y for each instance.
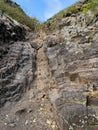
(17, 60)
(72, 54)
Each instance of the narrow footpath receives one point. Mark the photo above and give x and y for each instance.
(34, 111)
(44, 84)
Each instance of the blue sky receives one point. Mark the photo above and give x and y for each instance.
(43, 9)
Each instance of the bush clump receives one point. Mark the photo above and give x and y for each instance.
(91, 5)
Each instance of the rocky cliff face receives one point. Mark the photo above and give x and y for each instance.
(72, 53)
(17, 60)
(64, 94)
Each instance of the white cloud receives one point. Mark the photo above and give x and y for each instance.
(53, 6)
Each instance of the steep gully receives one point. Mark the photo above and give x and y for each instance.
(66, 81)
(34, 111)
(24, 105)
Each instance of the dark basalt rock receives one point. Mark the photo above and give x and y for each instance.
(35, 45)
(16, 71)
(74, 65)
(17, 60)
(68, 14)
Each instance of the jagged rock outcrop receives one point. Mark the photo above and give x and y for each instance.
(17, 60)
(10, 29)
(72, 53)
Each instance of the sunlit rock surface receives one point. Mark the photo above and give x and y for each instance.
(72, 54)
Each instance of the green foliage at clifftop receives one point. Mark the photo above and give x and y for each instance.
(78, 7)
(18, 14)
(91, 5)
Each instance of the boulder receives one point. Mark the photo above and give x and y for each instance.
(35, 46)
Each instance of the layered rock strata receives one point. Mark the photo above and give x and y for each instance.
(17, 60)
(72, 53)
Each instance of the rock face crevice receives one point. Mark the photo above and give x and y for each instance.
(72, 53)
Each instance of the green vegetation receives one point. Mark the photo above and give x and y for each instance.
(76, 8)
(73, 9)
(18, 14)
(91, 5)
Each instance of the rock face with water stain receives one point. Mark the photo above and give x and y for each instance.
(17, 60)
(72, 54)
